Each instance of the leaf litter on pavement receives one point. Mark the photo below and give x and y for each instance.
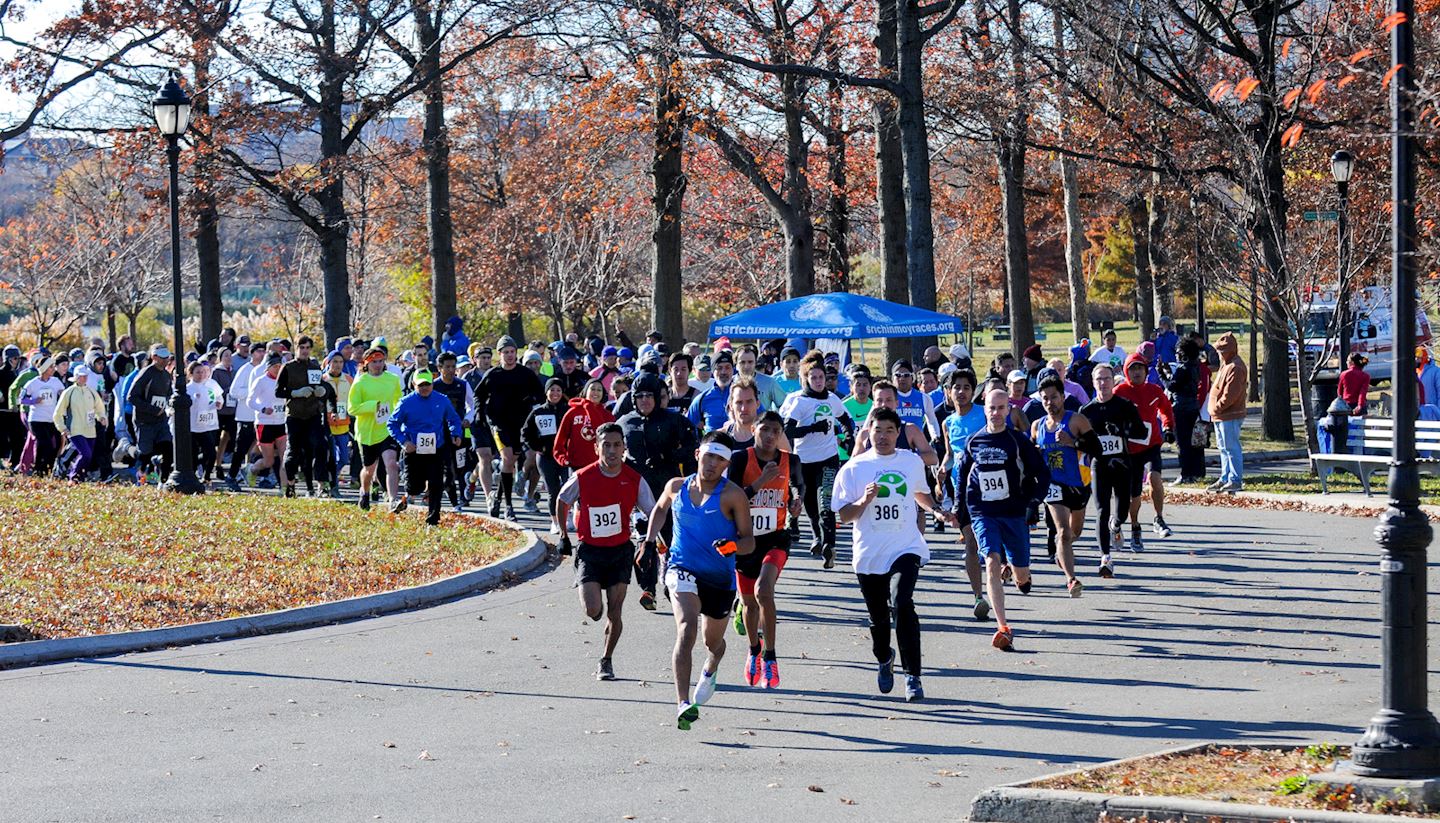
(91, 559)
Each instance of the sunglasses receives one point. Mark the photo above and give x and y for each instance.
(902, 374)
(641, 395)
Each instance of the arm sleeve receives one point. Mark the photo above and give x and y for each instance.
(357, 406)
(62, 405)
(962, 479)
(843, 495)
(1037, 474)
(570, 491)
(645, 499)
(689, 441)
(930, 421)
(797, 477)
(282, 382)
(738, 463)
(453, 419)
(470, 408)
(561, 449)
(530, 432)
(1167, 412)
(395, 424)
(695, 413)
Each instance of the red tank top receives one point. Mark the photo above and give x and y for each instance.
(602, 516)
(769, 505)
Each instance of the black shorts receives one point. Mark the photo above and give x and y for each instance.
(508, 438)
(606, 565)
(749, 564)
(150, 437)
(962, 511)
(481, 436)
(370, 455)
(1138, 461)
(715, 602)
(228, 425)
(1074, 498)
(268, 433)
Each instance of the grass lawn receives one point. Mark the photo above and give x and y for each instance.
(1279, 483)
(1268, 777)
(78, 560)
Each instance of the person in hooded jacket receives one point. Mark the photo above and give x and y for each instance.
(1081, 365)
(661, 445)
(1227, 409)
(1429, 375)
(1158, 417)
(539, 433)
(454, 339)
(574, 445)
(1184, 388)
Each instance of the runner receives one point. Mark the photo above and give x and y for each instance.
(708, 411)
(814, 420)
(1001, 475)
(539, 433)
(269, 421)
(1061, 435)
(789, 378)
(770, 393)
(773, 481)
(744, 413)
(301, 386)
(149, 394)
(1157, 417)
(605, 494)
(207, 399)
(879, 491)
(244, 414)
(912, 404)
(682, 394)
(575, 446)
(373, 397)
(966, 419)
(79, 410)
(338, 418)
(661, 446)
(482, 440)
(913, 438)
(507, 393)
(711, 526)
(422, 422)
(456, 460)
(1115, 420)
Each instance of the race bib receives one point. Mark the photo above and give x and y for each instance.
(425, 444)
(605, 520)
(764, 520)
(280, 406)
(1144, 439)
(158, 402)
(545, 424)
(90, 418)
(1053, 494)
(314, 375)
(886, 515)
(459, 458)
(230, 401)
(46, 397)
(1110, 444)
(994, 485)
(340, 411)
(382, 412)
(206, 418)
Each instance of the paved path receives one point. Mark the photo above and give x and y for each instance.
(1250, 630)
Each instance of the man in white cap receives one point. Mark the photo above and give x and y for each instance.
(79, 413)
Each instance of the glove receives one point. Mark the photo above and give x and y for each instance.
(565, 547)
(1169, 436)
(303, 391)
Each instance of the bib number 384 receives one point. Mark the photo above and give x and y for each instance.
(605, 520)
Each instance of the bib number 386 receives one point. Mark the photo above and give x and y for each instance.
(885, 513)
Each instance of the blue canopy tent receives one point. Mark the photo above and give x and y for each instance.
(839, 315)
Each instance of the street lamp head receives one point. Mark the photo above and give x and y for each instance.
(172, 109)
(1341, 164)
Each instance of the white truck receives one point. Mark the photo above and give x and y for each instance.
(1372, 331)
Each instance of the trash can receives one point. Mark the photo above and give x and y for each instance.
(1333, 430)
(1322, 394)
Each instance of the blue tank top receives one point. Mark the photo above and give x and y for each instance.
(693, 532)
(1063, 461)
(959, 428)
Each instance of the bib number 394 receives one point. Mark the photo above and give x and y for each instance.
(994, 485)
(605, 520)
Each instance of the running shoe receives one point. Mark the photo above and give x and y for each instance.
(705, 689)
(459, 508)
(817, 548)
(982, 608)
(914, 692)
(1004, 639)
(1160, 527)
(1118, 538)
(364, 502)
(1107, 569)
(752, 669)
(494, 506)
(739, 620)
(1025, 587)
(1075, 587)
(771, 674)
(290, 490)
(510, 513)
(1218, 485)
(232, 484)
(647, 601)
(686, 716)
(829, 554)
(605, 671)
(885, 679)
(1137, 543)
(939, 526)
(400, 504)
(555, 529)
(1006, 573)
(335, 491)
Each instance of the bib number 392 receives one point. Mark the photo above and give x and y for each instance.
(1053, 494)
(605, 520)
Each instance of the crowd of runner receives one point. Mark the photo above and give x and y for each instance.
(694, 468)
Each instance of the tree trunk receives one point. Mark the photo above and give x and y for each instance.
(1278, 423)
(837, 206)
(1074, 222)
(800, 227)
(1011, 161)
(131, 321)
(1144, 300)
(1164, 297)
(667, 170)
(889, 179)
(334, 234)
(915, 149)
(206, 206)
(110, 327)
(515, 327)
(436, 145)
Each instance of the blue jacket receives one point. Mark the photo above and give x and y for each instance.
(1165, 345)
(423, 415)
(707, 412)
(1430, 384)
(454, 339)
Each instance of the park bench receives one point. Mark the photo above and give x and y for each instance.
(1001, 333)
(1369, 445)
(1215, 327)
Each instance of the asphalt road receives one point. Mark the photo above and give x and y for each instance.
(1246, 625)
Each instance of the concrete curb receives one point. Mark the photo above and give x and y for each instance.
(1017, 803)
(33, 652)
(1212, 457)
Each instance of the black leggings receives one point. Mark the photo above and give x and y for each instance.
(240, 449)
(47, 446)
(1111, 481)
(896, 587)
(202, 446)
(554, 474)
(819, 483)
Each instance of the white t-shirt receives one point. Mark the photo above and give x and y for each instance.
(204, 417)
(1113, 359)
(262, 396)
(45, 393)
(240, 390)
(887, 528)
(806, 410)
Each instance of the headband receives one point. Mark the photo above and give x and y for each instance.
(716, 449)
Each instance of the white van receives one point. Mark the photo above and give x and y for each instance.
(1372, 332)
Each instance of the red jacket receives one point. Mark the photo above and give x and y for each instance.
(1155, 409)
(575, 441)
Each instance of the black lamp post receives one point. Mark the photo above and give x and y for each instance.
(172, 115)
(1342, 163)
(1403, 740)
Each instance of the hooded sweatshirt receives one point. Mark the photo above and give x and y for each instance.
(1156, 411)
(575, 441)
(1227, 390)
(454, 339)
